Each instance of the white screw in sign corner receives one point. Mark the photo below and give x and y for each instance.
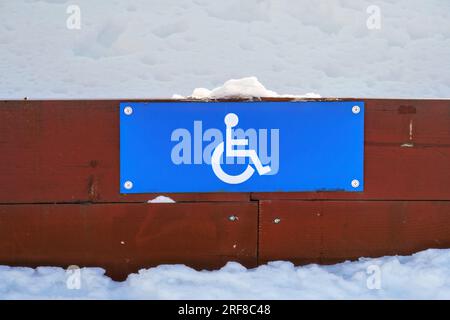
(356, 109)
(355, 183)
(128, 185)
(128, 110)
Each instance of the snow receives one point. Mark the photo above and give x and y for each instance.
(161, 199)
(248, 87)
(152, 49)
(425, 275)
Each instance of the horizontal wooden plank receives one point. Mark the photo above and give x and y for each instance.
(122, 238)
(333, 231)
(406, 157)
(68, 151)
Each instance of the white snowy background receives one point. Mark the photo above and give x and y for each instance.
(154, 49)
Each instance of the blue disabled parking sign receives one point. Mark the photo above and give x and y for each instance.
(241, 146)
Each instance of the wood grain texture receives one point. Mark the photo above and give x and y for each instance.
(122, 238)
(333, 231)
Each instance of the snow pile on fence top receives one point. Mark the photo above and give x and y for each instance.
(246, 88)
(424, 275)
(153, 49)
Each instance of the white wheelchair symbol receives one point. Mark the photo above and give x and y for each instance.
(231, 120)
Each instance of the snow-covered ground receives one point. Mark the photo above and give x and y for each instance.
(425, 275)
(154, 48)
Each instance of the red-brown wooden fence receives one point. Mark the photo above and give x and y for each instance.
(60, 202)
